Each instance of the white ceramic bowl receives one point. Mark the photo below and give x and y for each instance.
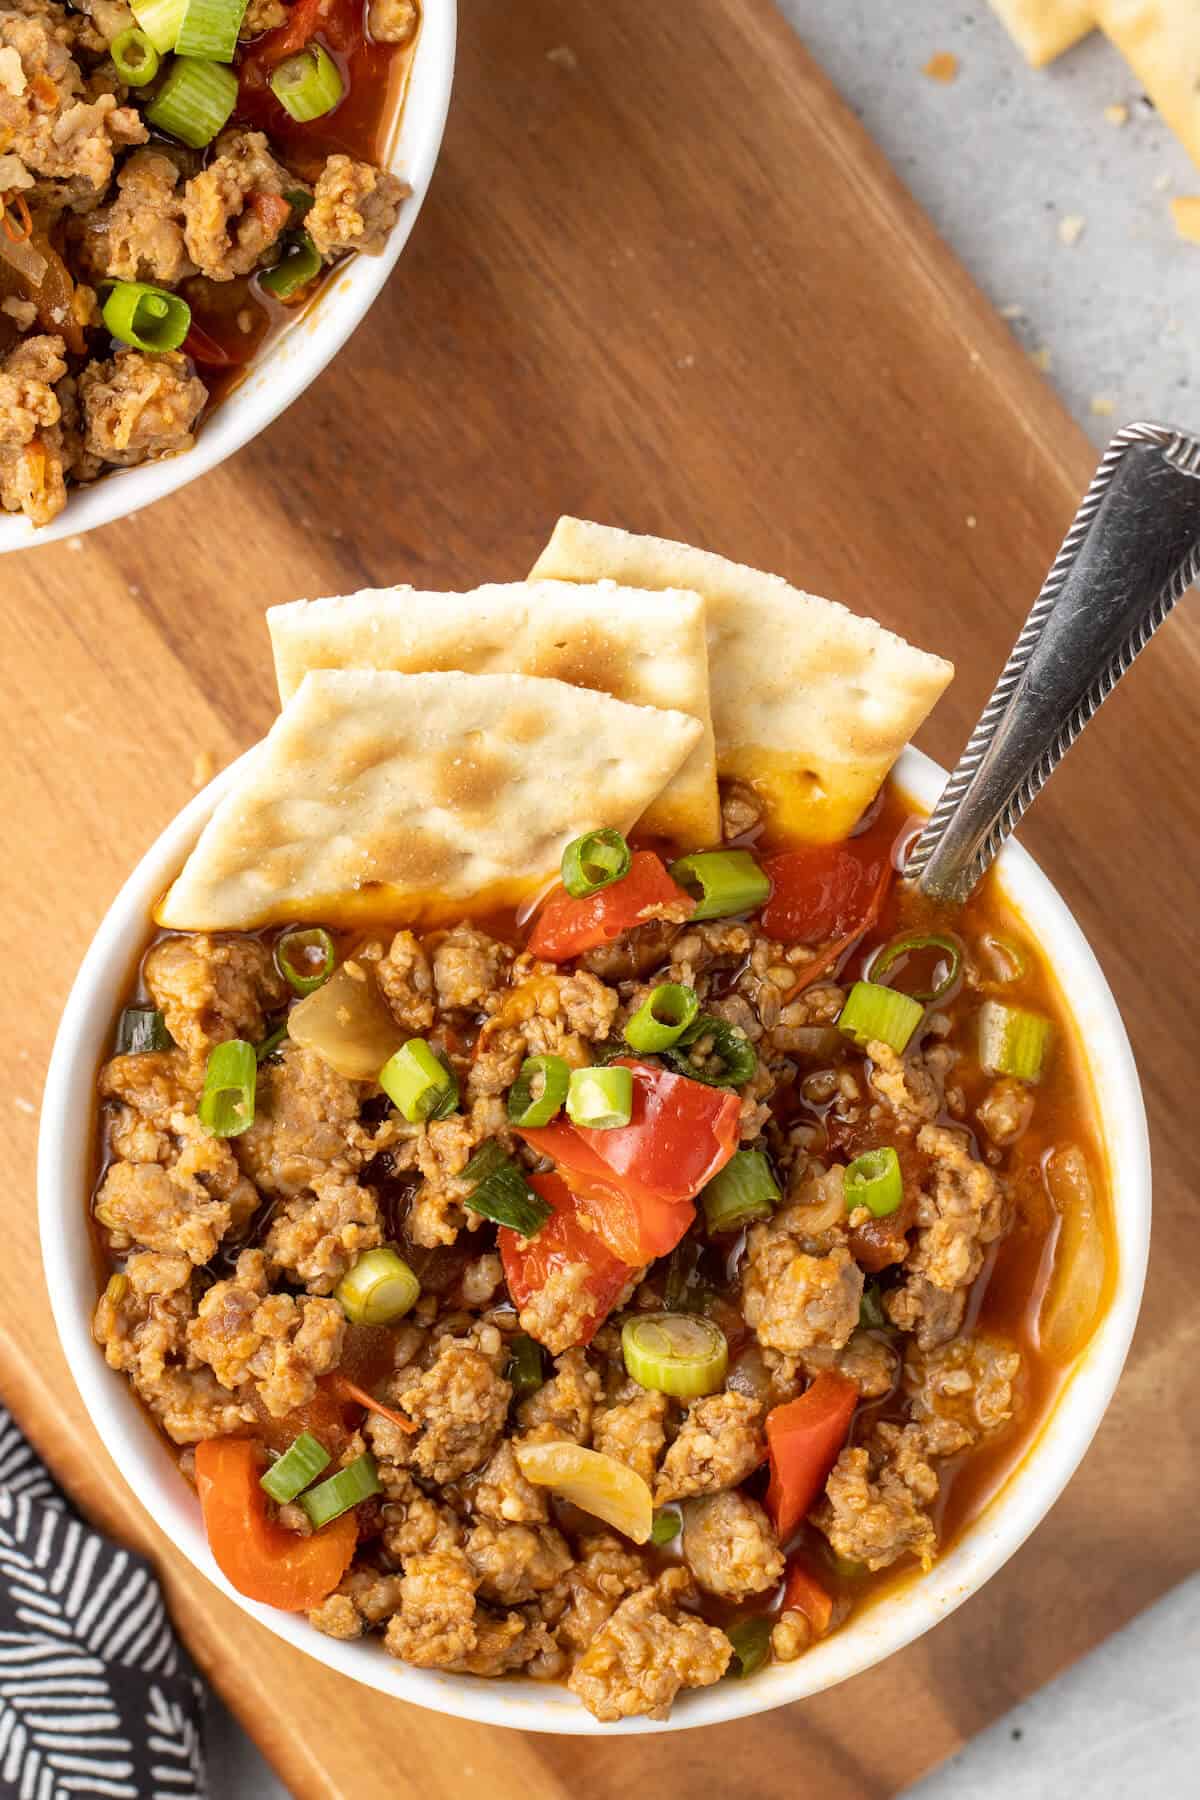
(64, 1164)
(297, 356)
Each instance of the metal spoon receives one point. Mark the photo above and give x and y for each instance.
(1131, 553)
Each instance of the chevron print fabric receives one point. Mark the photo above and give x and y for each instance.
(97, 1696)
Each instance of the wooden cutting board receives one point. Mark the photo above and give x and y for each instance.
(664, 280)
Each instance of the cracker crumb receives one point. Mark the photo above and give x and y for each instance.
(1162, 182)
(1185, 210)
(1040, 358)
(1103, 406)
(1117, 113)
(75, 544)
(204, 767)
(942, 66)
(972, 521)
(563, 57)
(1014, 310)
(1071, 228)
(25, 1106)
(685, 362)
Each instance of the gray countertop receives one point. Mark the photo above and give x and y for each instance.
(1008, 162)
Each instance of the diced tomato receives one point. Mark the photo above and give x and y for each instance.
(566, 927)
(827, 894)
(803, 1593)
(566, 1237)
(803, 1441)
(262, 1559)
(637, 1182)
(338, 22)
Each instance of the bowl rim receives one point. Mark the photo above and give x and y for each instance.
(294, 358)
(145, 1464)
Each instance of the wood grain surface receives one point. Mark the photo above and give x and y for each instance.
(662, 280)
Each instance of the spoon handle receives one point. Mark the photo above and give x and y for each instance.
(1131, 553)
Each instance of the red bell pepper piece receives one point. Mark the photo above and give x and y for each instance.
(638, 1181)
(566, 1237)
(803, 1441)
(565, 927)
(803, 1593)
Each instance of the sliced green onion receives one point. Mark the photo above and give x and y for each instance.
(142, 1028)
(874, 1180)
(298, 200)
(594, 861)
(147, 317)
(526, 1371)
(662, 1018)
(870, 1309)
(210, 28)
(682, 1354)
(722, 881)
(298, 265)
(950, 963)
(195, 100)
(666, 1527)
(744, 1190)
(715, 1052)
(358, 1481)
(873, 1013)
(300, 1464)
(308, 85)
(502, 1194)
(271, 1043)
(378, 1288)
(751, 1640)
(305, 956)
(160, 20)
(600, 1099)
(419, 1083)
(1012, 1041)
(537, 1094)
(227, 1104)
(135, 57)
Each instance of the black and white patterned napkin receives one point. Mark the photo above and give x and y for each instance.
(97, 1695)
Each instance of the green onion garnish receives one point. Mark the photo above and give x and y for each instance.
(595, 861)
(723, 882)
(873, 1180)
(744, 1190)
(298, 265)
(600, 1099)
(417, 1081)
(160, 20)
(662, 1018)
(873, 1013)
(502, 1194)
(715, 1052)
(751, 1640)
(135, 56)
(195, 100)
(227, 1104)
(142, 1028)
(945, 974)
(682, 1354)
(358, 1481)
(526, 1370)
(308, 85)
(300, 1463)
(270, 1043)
(666, 1527)
(378, 1289)
(304, 956)
(298, 200)
(210, 28)
(147, 317)
(1012, 1041)
(537, 1094)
